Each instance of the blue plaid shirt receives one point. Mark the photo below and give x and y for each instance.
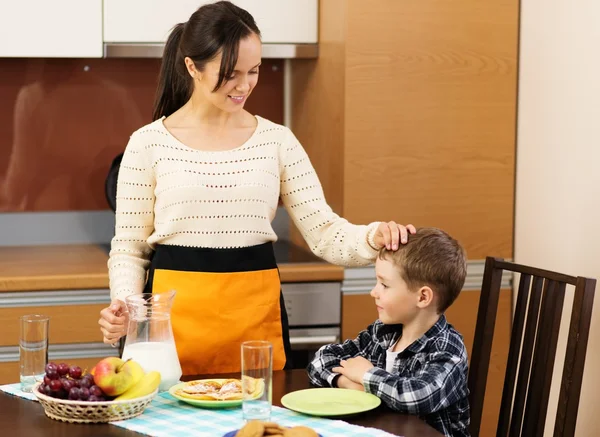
(429, 378)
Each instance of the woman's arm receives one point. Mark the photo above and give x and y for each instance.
(328, 235)
(134, 222)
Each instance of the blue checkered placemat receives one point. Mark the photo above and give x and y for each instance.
(167, 417)
(15, 390)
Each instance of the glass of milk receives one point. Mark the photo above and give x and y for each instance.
(150, 340)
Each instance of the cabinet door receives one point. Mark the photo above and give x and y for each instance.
(150, 21)
(51, 29)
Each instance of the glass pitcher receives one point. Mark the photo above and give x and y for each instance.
(150, 339)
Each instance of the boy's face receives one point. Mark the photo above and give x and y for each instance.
(395, 302)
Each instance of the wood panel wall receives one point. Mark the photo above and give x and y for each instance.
(409, 114)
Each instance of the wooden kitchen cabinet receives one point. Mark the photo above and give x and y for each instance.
(74, 335)
(9, 371)
(51, 29)
(68, 323)
(143, 21)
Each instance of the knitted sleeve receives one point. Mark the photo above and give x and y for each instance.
(329, 236)
(134, 222)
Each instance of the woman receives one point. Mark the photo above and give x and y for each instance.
(198, 189)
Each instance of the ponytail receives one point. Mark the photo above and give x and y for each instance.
(174, 84)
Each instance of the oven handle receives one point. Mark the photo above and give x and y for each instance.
(317, 339)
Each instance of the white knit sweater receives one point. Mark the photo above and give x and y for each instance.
(169, 193)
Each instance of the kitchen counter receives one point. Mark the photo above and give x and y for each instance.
(27, 417)
(77, 267)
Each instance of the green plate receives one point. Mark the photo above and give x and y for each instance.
(204, 403)
(330, 401)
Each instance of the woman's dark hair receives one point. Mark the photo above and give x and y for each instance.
(214, 28)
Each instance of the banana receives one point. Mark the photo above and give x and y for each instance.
(149, 382)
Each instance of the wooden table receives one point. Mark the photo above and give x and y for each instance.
(22, 417)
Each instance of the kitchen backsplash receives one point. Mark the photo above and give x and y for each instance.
(64, 120)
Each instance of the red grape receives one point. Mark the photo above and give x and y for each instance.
(52, 374)
(51, 366)
(96, 391)
(75, 372)
(42, 388)
(48, 391)
(85, 383)
(84, 394)
(74, 394)
(93, 398)
(67, 384)
(55, 385)
(46, 380)
(62, 369)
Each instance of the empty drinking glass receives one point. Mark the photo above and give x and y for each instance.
(257, 373)
(33, 349)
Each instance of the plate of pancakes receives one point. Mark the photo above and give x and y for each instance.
(217, 393)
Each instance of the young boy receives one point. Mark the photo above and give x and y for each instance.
(411, 357)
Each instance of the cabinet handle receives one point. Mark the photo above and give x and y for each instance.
(317, 339)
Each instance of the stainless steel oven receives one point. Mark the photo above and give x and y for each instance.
(314, 311)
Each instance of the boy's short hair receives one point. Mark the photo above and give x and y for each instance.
(433, 258)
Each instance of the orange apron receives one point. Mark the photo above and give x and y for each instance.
(224, 297)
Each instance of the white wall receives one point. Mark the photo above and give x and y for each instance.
(558, 161)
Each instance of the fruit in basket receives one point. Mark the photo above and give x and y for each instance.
(96, 391)
(62, 369)
(115, 376)
(55, 385)
(68, 382)
(75, 372)
(149, 382)
(86, 382)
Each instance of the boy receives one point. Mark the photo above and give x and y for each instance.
(411, 357)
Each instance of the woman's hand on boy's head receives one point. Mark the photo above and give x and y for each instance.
(354, 368)
(390, 235)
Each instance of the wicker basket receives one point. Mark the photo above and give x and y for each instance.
(92, 412)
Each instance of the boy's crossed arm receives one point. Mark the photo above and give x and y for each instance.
(437, 385)
(321, 369)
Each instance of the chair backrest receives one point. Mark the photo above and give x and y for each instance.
(533, 343)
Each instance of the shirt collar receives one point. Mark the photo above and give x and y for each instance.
(387, 334)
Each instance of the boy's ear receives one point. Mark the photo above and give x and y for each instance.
(425, 297)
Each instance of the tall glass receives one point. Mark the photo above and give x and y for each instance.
(257, 375)
(33, 349)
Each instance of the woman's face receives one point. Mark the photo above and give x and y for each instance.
(236, 89)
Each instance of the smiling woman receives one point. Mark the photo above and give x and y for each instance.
(215, 55)
(196, 194)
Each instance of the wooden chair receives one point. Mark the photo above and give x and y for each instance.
(532, 351)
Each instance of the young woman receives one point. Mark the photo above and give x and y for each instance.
(197, 191)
